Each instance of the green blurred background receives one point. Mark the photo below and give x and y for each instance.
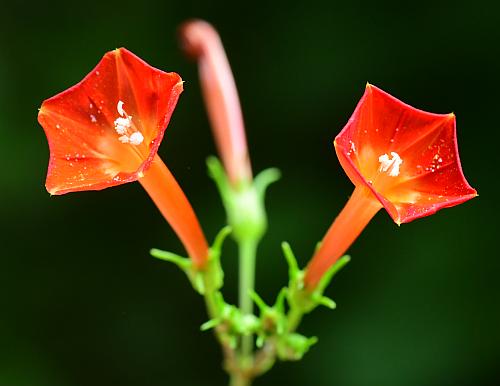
(81, 301)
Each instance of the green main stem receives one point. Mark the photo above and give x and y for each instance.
(239, 380)
(247, 252)
(294, 318)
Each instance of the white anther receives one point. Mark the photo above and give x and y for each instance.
(390, 165)
(122, 124)
(136, 138)
(124, 139)
(120, 129)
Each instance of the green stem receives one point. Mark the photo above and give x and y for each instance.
(294, 318)
(247, 252)
(237, 379)
(211, 304)
(213, 312)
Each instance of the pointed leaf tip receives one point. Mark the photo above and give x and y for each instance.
(327, 277)
(293, 266)
(266, 178)
(221, 237)
(327, 302)
(258, 300)
(210, 324)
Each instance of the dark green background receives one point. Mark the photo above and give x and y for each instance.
(83, 304)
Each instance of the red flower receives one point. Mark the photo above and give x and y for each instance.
(398, 157)
(106, 131)
(87, 126)
(407, 157)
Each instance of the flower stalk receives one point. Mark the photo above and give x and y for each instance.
(168, 196)
(354, 217)
(248, 254)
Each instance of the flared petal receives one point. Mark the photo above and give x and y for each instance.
(407, 157)
(90, 148)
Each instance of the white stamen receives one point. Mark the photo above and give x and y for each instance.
(119, 107)
(136, 138)
(390, 165)
(124, 139)
(93, 119)
(122, 125)
(121, 130)
(122, 122)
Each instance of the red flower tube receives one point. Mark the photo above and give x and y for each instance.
(399, 158)
(202, 41)
(106, 130)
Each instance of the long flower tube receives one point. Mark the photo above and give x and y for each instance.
(106, 130)
(399, 158)
(201, 41)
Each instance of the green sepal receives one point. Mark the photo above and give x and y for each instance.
(235, 323)
(209, 324)
(259, 302)
(265, 178)
(213, 273)
(328, 276)
(244, 203)
(293, 267)
(259, 342)
(217, 173)
(272, 318)
(279, 304)
(300, 298)
(208, 278)
(293, 346)
(183, 263)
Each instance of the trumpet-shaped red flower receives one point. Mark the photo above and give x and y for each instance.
(399, 158)
(106, 131)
